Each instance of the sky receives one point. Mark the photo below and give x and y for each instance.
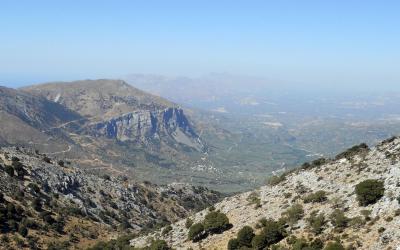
(322, 43)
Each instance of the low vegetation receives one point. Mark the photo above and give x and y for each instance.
(272, 232)
(319, 196)
(214, 222)
(369, 191)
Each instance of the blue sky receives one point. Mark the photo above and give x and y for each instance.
(325, 43)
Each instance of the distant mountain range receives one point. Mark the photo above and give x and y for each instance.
(111, 126)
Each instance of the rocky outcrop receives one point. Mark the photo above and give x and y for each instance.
(144, 126)
(67, 192)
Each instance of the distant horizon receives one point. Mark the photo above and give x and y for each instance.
(305, 87)
(345, 43)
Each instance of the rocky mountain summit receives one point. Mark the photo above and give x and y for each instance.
(48, 202)
(119, 111)
(349, 202)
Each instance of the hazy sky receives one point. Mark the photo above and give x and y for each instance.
(320, 42)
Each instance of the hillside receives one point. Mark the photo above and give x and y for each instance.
(318, 205)
(116, 128)
(123, 129)
(48, 202)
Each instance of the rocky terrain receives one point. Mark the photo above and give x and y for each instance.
(50, 203)
(107, 125)
(351, 201)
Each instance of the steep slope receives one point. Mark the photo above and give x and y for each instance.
(118, 110)
(45, 200)
(27, 119)
(126, 127)
(322, 200)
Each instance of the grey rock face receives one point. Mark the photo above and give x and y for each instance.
(144, 125)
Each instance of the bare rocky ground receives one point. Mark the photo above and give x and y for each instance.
(58, 202)
(338, 179)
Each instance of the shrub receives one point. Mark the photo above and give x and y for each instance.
(46, 159)
(339, 220)
(106, 177)
(46, 216)
(259, 242)
(316, 222)
(216, 222)
(9, 170)
(34, 187)
(319, 196)
(188, 223)
(275, 180)
(196, 231)
(366, 214)
(159, 245)
(18, 241)
(36, 204)
(273, 232)
(357, 222)
(233, 244)
(294, 213)
(22, 230)
(254, 198)
(369, 191)
(334, 246)
(245, 236)
(166, 230)
(61, 163)
(14, 159)
(355, 150)
(261, 223)
(303, 244)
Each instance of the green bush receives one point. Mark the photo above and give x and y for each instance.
(369, 191)
(316, 222)
(9, 170)
(37, 204)
(245, 235)
(216, 222)
(303, 244)
(275, 179)
(46, 159)
(339, 220)
(334, 246)
(351, 152)
(195, 231)
(122, 243)
(34, 187)
(188, 223)
(23, 231)
(159, 245)
(166, 230)
(319, 196)
(233, 244)
(294, 213)
(254, 198)
(273, 232)
(259, 242)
